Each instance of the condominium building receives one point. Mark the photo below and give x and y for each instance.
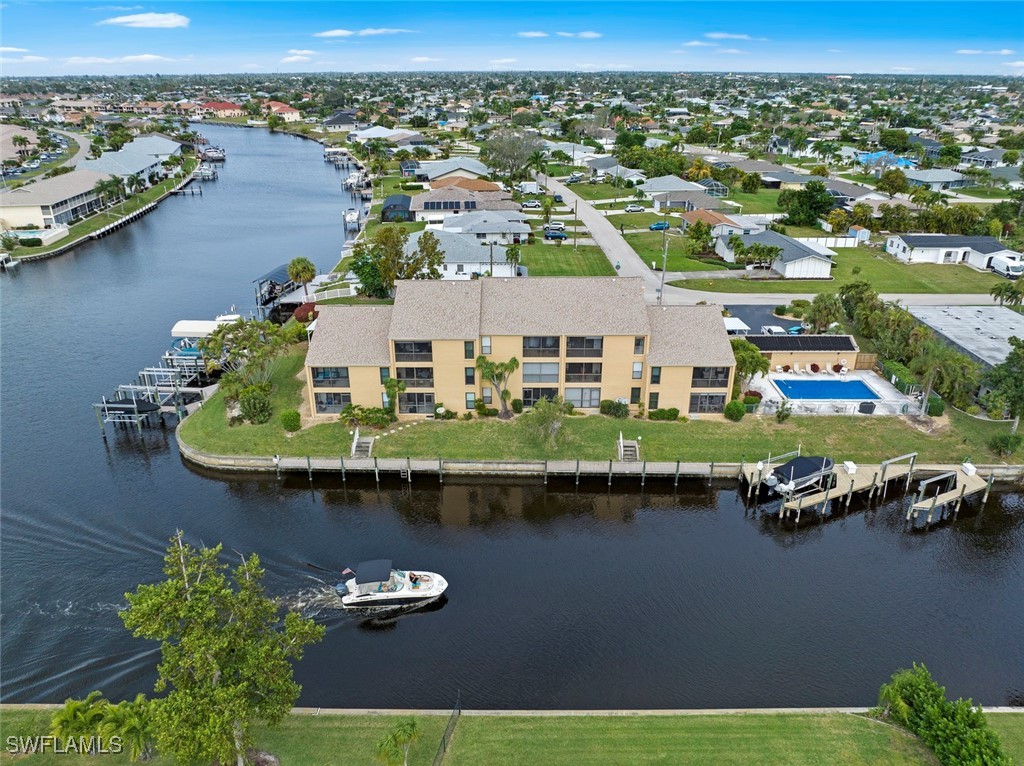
(583, 338)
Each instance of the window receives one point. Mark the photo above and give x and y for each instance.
(583, 372)
(332, 402)
(485, 344)
(711, 377)
(460, 268)
(584, 346)
(634, 396)
(533, 395)
(470, 376)
(638, 345)
(652, 401)
(416, 377)
(638, 370)
(413, 351)
(335, 377)
(583, 397)
(416, 403)
(384, 400)
(655, 375)
(541, 345)
(470, 401)
(487, 394)
(707, 402)
(540, 372)
(468, 353)
(385, 374)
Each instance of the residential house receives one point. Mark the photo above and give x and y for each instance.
(50, 202)
(984, 158)
(286, 112)
(221, 109)
(713, 187)
(668, 183)
(455, 167)
(938, 179)
(975, 251)
(931, 147)
(609, 346)
(507, 227)
(470, 184)
(344, 121)
(796, 260)
(722, 225)
(434, 205)
(396, 209)
(788, 179)
(7, 148)
(465, 256)
(141, 157)
(363, 135)
(686, 200)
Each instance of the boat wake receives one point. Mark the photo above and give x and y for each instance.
(323, 601)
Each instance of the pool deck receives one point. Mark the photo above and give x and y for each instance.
(889, 400)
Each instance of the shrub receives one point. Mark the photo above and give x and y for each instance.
(935, 406)
(255, 405)
(784, 411)
(751, 394)
(290, 420)
(467, 415)
(751, 400)
(973, 409)
(796, 312)
(614, 409)
(735, 410)
(31, 242)
(517, 406)
(1005, 445)
(412, 187)
(801, 303)
(815, 368)
(672, 413)
(480, 407)
(781, 309)
(447, 414)
(306, 313)
(491, 412)
(357, 415)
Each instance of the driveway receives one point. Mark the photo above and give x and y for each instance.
(83, 146)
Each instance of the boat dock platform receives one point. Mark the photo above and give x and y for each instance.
(961, 483)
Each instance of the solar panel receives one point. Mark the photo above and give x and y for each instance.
(803, 342)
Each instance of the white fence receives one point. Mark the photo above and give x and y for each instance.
(340, 292)
(829, 241)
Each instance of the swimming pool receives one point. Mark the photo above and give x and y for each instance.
(824, 389)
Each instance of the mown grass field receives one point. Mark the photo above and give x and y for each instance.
(601, 191)
(762, 201)
(648, 245)
(764, 740)
(564, 261)
(885, 273)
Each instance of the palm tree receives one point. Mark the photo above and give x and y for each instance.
(537, 161)
(394, 748)
(699, 170)
(133, 723)
(133, 183)
(931, 362)
(1003, 291)
(79, 718)
(301, 270)
(513, 255)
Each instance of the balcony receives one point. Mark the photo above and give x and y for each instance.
(582, 377)
(414, 356)
(331, 383)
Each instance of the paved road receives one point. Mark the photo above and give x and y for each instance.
(83, 146)
(618, 252)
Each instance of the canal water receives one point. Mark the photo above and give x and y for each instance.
(591, 598)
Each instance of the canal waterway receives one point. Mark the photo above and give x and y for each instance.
(594, 597)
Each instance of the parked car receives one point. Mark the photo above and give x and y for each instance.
(574, 177)
(659, 226)
(796, 330)
(532, 204)
(554, 226)
(635, 208)
(553, 234)
(599, 179)
(572, 181)
(558, 198)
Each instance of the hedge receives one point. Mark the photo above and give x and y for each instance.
(671, 413)
(614, 409)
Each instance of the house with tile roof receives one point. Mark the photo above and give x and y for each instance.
(585, 339)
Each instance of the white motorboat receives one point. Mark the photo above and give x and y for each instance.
(800, 473)
(376, 584)
(352, 219)
(213, 154)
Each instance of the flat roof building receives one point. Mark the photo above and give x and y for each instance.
(981, 332)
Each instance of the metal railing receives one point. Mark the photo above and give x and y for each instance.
(449, 731)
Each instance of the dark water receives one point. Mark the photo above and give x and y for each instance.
(559, 598)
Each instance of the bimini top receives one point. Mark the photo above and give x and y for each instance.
(378, 570)
(801, 467)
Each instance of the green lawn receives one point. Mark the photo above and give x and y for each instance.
(860, 178)
(742, 740)
(806, 231)
(763, 201)
(639, 220)
(982, 192)
(1010, 728)
(393, 185)
(559, 171)
(885, 273)
(621, 204)
(305, 740)
(648, 245)
(112, 214)
(410, 226)
(562, 261)
(357, 300)
(601, 191)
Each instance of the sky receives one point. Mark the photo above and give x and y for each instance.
(910, 37)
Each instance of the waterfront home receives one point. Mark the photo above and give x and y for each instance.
(434, 205)
(344, 121)
(583, 338)
(50, 202)
(470, 184)
(981, 332)
(976, 251)
(795, 260)
(396, 209)
(455, 167)
(507, 227)
(465, 256)
(361, 136)
(141, 157)
(221, 109)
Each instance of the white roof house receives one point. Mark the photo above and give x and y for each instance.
(465, 255)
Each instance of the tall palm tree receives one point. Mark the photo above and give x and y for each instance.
(537, 161)
(301, 270)
(699, 170)
(133, 183)
(1003, 291)
(931, 362)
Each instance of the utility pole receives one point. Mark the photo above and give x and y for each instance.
(664, 260)
(575, 213)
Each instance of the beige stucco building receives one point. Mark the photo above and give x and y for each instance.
(583, 338)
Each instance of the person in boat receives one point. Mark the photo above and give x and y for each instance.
(414, 578)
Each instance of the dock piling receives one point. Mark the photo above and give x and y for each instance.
(643, 473)
(545, 473)
(342, 461)
(988, 487)
(577, 472)
(376, 471)
(309, 467)
(440, 471)
(408, 468)
(609, 473)
(675, 482)
(711, 472)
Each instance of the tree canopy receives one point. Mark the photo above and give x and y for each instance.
(385, 258)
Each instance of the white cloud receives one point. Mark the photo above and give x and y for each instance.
(532, 34)
(299, 52)
(141, 58)
(698, 44)
(726, 36)
(383, 31)
(34, 58)
(423, 59)
(22, 59)
(335, 33)
(149, 21)
(581, 35)
(295, 59)
(8, 49)
(902, 68)
(833, 50)
(732, 51)
(978, 52)
(502, 61)
(1014, 64)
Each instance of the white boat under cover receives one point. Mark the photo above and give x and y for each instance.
(376, 584)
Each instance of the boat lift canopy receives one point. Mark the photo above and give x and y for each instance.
(378, 570)
(201, 328)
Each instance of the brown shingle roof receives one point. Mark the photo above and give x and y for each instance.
(688, 336)
(436, 309)
(351, 335)
(563, 306)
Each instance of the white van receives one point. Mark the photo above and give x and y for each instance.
(1011, 268)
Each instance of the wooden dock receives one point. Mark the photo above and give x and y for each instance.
(845, 484)
(961, 483)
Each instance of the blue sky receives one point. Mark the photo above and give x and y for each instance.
(97, 37)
